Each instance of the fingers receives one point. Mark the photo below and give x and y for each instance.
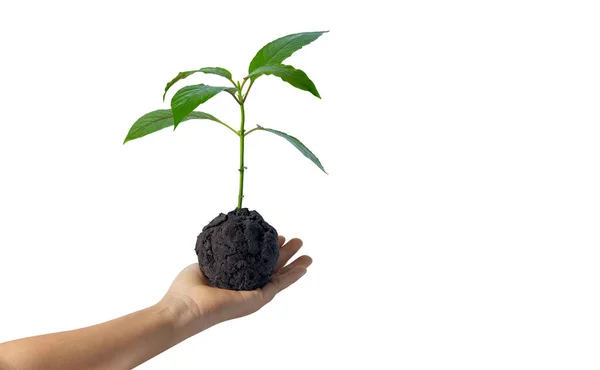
(303, 261)
(282, 281)
(280, 240)
(287, 251)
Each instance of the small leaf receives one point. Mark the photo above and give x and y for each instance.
(209, 70)
(216, 71)
(190, 97)
(180, 76)
(289, 74)
(277, 51)
(159, 119)
(295, 142)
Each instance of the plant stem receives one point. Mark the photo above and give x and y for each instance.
(243, 100)
(236, 99)
(242, 168)
(248, 132)
(229, 127)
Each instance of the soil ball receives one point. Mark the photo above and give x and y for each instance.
(238, 250)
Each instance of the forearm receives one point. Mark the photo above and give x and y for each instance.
(123, 343)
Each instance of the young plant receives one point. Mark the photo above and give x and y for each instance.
(238, 250)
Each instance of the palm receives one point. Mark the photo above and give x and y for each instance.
(227, 304)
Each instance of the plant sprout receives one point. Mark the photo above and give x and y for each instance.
(268, 61)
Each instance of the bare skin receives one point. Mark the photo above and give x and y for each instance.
(190, 306)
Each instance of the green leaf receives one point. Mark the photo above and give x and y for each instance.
(277, 51)
(289, 74)
(295, 142)
(216, 71)
(159, 119)
(209, 70)
(190, 97)
(180, 76)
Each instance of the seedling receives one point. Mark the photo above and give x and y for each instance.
(237, 250)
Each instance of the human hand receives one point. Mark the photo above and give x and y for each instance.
(208, 305)
(190, 306)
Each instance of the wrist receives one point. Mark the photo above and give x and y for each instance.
(183, 315)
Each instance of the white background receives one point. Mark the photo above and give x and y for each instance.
(459, 225)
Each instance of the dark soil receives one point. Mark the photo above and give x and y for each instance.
(238, 251)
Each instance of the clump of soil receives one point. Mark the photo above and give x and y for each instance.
(238, 251)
